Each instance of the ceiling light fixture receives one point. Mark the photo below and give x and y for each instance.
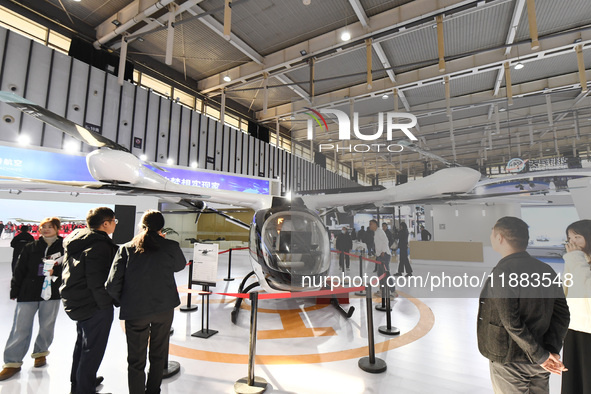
(194, 164)
(24, 139)
(385, 96)
(143, 157)
(345, 36)
(116, 22)
(169, 161)
(306, 2)
(518, 66)
(227, 78)
(303, 52)
(71, 147)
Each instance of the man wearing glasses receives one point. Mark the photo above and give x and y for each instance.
(88, 257)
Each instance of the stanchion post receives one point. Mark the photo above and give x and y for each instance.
(362, 292)
(371, 364)
(205, 332)
(388, 329)
(189, 307)
(229, 279)
(251, 384)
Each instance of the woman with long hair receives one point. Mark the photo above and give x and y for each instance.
(35, 287)
(142, 282)
(577, 287)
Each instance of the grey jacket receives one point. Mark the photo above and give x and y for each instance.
(517, 322)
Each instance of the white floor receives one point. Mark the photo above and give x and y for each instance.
(443, 360)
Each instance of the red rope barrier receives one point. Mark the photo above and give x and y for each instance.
(226, 251)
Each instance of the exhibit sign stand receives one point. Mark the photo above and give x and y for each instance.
(205, 268)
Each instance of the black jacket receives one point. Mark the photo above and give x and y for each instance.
(344, 242)
(27, 279)
(89, 254)
(517, 322)
(18, 243)
(143, 283)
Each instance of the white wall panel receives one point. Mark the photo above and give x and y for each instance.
(53, 80)
(111, 107)
(184, 145)
(173, 134)
(194, 137)
(218, 145)
(239, 150)
(232, 149)
(36, 90)
(140, 118)
(77, 92)
(94, 101)
(210, 143)
(245, 154)
(125, 121)
(202, 127)
(163, 130)
(58, 89)
(256, 170)
(152, 127)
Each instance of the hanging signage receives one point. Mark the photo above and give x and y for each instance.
(516, 165)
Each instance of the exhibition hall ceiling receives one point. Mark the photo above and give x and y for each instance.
(451, 74)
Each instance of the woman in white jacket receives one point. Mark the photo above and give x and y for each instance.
(577, 344)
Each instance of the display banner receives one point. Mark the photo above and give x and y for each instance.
(214, 180)
(205, 264)
(40, 164)
(55, 166)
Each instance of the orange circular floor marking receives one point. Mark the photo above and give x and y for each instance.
(423, 326)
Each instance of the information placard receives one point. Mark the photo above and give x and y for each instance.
(205, 264)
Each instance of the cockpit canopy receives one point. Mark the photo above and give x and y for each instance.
(293, 244)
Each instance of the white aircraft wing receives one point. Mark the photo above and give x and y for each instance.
(443, 182)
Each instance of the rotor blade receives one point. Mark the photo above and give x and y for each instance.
(415, 148)
(67, 126)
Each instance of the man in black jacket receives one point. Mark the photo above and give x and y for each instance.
(523, 315)
(344, 244)
(88, 258)
(19, 242)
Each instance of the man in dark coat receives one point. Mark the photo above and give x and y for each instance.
(521, 325)
(344, 244)
(425, 234)
(19, 242)
(88, 258)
